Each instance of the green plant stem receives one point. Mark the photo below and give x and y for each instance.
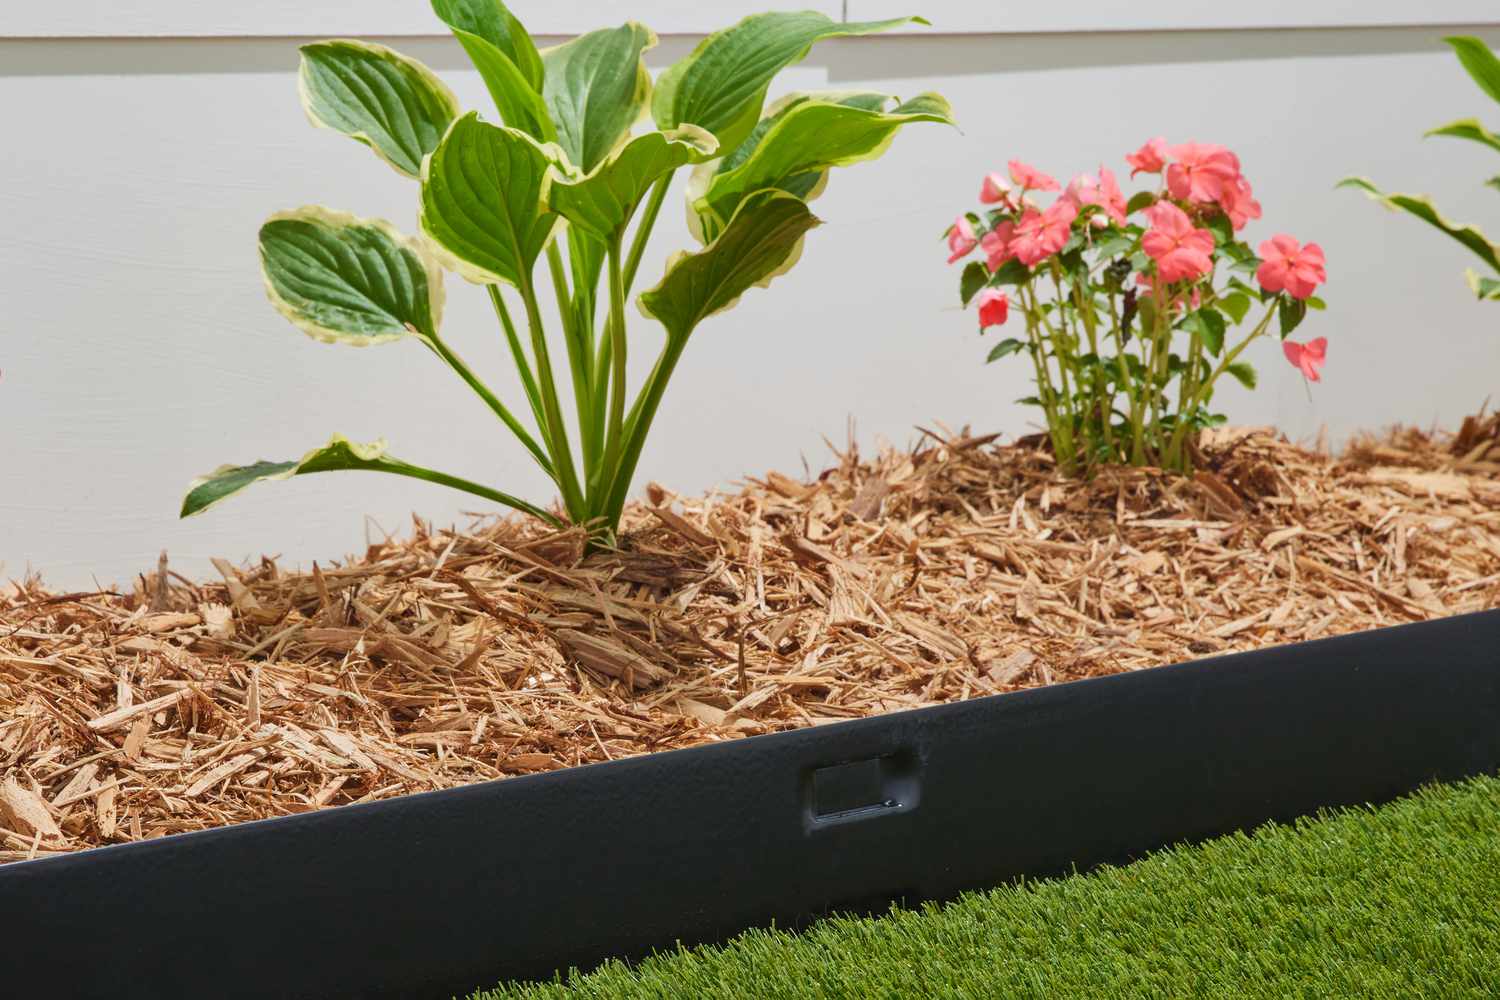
(644, 227)
(580, 357)
(562, 453)
(1062, 439)
(638, 424)
(1117, 329)
(1230, 357)
(523, 364)
(399, 468)
(616, 333)
(456, 363)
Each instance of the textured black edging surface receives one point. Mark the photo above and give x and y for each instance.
(434, 894)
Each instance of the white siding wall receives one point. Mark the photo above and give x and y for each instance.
(137, 349)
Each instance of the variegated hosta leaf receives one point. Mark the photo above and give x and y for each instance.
(806, 138)
(507, 60)
(1422, 208)
(339, 453)
(595, 89)
(389, 102)
(1487, 289)
(342, 279)
(1479, 62)
(604, 201)
(484, 196)
(1471, 129)
(762, 241)
(721, 85)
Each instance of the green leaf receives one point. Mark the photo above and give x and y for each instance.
(974, 277)
(1313, 302)
(763, 240)
(1012, 272)
(1486, 289)
(1290, 313)
(1494, 182)
(721, 85)
(1421, 207)
(1471, 129)
(1243, 372)
(1237, 305)
(392, 104)
(604, 201)
(1138, 201)
(506, 58)
(1114, 246)
(338, 455)
(484, 196)
(494, 24)
(1479, 61)
(1209, 323)
(812, 136)
(597, 86)
(342, 279)
(1009, 345)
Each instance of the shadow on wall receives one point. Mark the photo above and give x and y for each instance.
(932, 54)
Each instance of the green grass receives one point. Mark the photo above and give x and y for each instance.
(1399, 901)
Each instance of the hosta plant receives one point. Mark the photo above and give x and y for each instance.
(562, 187)
(1132, 308)
(1483, 66)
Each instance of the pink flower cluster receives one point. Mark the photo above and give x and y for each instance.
(1199, 182)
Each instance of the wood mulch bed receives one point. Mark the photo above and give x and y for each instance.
(954, 570)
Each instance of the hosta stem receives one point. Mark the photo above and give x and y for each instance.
(562, 452)
(615, 439)
(644, 227)
(453, 361)
(397, 468)
(523, 365)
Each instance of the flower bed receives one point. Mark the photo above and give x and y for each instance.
(951, 571)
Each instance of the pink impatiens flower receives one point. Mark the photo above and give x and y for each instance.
(1150, 158)
(994, 189)
(1181, 252)
(1288, 266)
(1039, 235)
(1201, 171)
(961, 238)
(1104, 191)
(1030, 178)
(996, 245)
(994, 307)
(1239, 204)
(1309, 357)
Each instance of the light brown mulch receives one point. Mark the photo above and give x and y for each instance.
(953, 570)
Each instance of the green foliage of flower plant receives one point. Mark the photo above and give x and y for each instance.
(565, 183)
(1483, 67)
(1129, 304)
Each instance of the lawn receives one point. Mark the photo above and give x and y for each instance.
(1395, 901)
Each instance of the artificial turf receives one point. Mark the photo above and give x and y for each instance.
(1400, 901)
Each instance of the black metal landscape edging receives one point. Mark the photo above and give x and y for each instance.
(434, 894)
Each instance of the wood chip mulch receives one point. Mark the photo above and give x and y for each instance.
(953, 570)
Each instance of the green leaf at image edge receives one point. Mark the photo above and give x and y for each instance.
(1422, 207)
(1480, 63)
(389, 102)
(346, 280)
(506, 58)
(721, 85)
